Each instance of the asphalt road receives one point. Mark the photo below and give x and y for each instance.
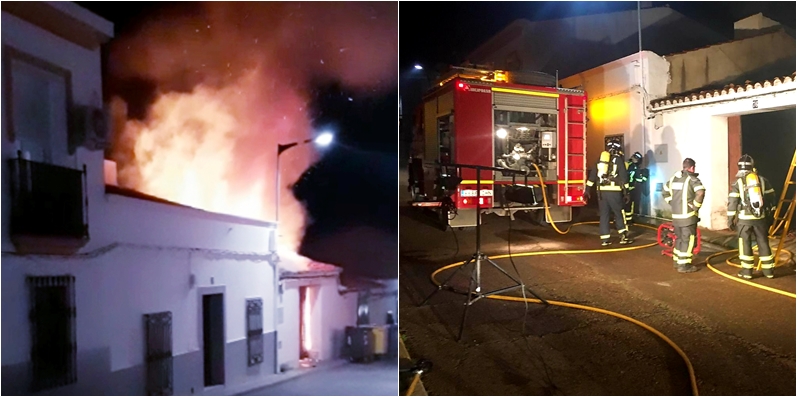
(378, 378)
(740, 340)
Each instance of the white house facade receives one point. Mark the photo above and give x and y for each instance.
(684, 105)
(110, 291)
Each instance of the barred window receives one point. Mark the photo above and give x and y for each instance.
(52, 328)
(160, 380)
(254, 335)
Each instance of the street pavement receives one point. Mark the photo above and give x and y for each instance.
(740, 340)
(378, 378)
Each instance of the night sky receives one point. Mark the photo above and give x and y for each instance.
(352, 186)
(443, 33)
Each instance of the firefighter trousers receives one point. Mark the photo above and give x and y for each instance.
(608, 204)
(685, 242)
(632, 207)
(746, 234)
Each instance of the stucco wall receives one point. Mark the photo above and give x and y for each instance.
(700, 131)
(85, 68)
(616, 95)
(114, 289)
(331, 312)
(699, 68)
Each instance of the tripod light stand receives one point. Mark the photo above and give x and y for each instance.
(475, 293)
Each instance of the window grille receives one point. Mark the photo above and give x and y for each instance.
(159, 354)
(254, 326)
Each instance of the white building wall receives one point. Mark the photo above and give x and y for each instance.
(86, 70)
(617, 93)
(617, 104)
(331, 312)
(115, 289)
(700, 130)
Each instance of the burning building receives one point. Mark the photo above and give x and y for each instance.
(157, 271)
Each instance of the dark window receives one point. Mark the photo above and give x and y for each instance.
(159, 354)
(254, 327)
(52, 317)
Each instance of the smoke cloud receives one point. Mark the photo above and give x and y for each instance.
(233, 80)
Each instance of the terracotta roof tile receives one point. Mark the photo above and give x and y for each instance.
(727, 90)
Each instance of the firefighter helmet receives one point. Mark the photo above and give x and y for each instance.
(746, 163)
(614, 146)
(636, 157)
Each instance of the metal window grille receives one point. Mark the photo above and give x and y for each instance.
(52, 327)
(159, 354)
(254, 326)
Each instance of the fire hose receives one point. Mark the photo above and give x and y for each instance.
(692, 378)
(712, 268)
(690, 368)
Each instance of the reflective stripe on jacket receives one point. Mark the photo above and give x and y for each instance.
(738, 200)
(684, 192)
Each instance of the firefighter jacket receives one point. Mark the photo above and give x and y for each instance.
(739, 202)
(684, 192)
(616, 180)
(634, 174)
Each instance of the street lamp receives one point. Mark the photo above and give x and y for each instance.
(323, 139)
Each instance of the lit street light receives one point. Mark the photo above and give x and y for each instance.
(418, 67)
(322, 140)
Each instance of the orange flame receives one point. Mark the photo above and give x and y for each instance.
(235, 81)
(188, 150)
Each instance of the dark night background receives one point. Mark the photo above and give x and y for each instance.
(352, 188)
(435, 33)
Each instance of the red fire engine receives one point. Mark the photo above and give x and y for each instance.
(499, 119)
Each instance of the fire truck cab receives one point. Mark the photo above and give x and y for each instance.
(499, 119)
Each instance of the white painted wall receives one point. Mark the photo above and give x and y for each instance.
(615, 106)
(330, 314)
(86, 69)
(115, 289)
(700, 131)
(616, 95)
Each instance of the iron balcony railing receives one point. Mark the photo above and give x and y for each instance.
(48, 200)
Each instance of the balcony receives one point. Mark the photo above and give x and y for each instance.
(49, 209)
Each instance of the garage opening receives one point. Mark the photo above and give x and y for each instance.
(770, 138)
(307, 327)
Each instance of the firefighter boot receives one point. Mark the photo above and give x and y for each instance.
(624, 239)
(686, 268)
(768, 273)
(606, 243)
(745, 273)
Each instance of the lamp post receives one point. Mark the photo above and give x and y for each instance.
(323, 139)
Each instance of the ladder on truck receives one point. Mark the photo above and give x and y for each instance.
(582, 110)
(784, 212)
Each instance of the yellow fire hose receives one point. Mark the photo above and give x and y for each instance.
(728, 276)
(690, 369)
(680, 352)
(414, 384)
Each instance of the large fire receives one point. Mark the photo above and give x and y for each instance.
(234, 81)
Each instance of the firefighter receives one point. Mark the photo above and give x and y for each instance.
(750, 204)
(684, 192)
(612, 179)
(634, 178)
